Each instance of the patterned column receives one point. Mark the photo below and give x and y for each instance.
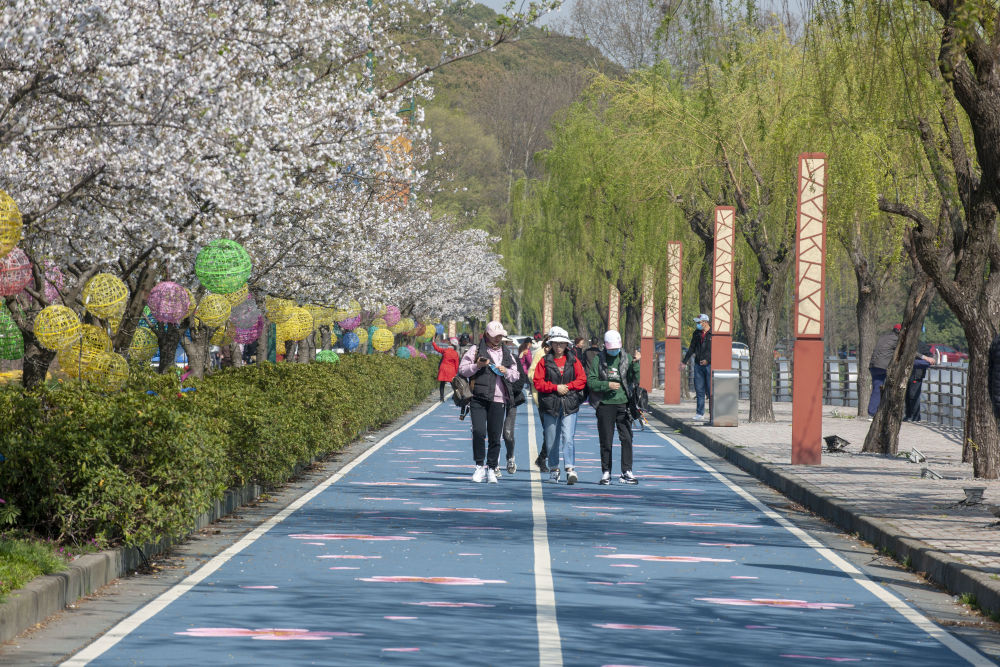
(452, 328)
(647, 346)
(614, 308)
(672, 328)
(722, 288)
(810, 274)
(496, 304)
(547, 308)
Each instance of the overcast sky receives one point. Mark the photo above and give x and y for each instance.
(558, 15)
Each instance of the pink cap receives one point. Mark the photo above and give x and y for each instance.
(494, 328)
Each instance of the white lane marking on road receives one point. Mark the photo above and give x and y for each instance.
(909, 613)
(549, 641)
(127, 625)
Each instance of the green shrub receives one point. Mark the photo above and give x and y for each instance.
(21, 560)
(132, 467)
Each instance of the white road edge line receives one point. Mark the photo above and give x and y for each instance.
(108, 640)
(909, 613)
(549, 641)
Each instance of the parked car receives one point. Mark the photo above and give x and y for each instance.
(946, 354)
(741, 350)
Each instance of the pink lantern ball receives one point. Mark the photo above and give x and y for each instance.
(169, 302)
(15, 272)
(54, 282)
(247, 336)
(350, 324)
(391, 316)
(413, 351)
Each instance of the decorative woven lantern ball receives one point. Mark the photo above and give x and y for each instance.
(95, 338)
(239, 295)
(327, 356)
(104, 295)
(403, 353)
(57, 327)
(223, 266)
(351, 341)
(299, 324)
(392, 315)
(144, 345)
(248, 335)
(15, 272)
(318, 314)
(379, 323)
(108, 371)
(412, 350)
(245, 314)
(278, 310)
(11, 340)
(350, 324)
(382, 339)
(10, 224)
(213, 311)
(222, 336)
(54, 282)
(363, 337)
(169, 302)
(404, 325)
(439, 328)
(419, 330)
(192, 303)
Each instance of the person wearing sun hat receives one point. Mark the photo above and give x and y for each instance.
(491, 370)
(610, 376)
(701, 349)
(559, 379)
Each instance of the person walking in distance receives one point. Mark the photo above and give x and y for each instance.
(885, 346)
(449, 363)
(611, 377)
(510, 420)
(491, 369)
(540, 350)
(560, 379)
(921, 363)
(701, 349)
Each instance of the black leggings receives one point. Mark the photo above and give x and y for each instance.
(441, 388)
(487, 423)
(610, 416)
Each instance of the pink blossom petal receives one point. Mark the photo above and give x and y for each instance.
(628, 626)
(445, 581)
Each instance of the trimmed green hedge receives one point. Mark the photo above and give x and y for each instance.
(130, 468)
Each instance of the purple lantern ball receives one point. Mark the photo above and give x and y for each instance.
(413, 350)
(15, 272)
(350, 324)
(247, 336)
(169, 302)
(54, 282)
(391, 316)
(245, 315)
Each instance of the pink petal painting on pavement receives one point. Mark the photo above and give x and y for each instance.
(819, 657)
(345, 567)
(350, 556)
(449, 605)
(629, 626)
(445, 581)
(739, 577)
(598, 495)
(765, 602)
(400, 618)
(268, 634)
(350, 536)
(462, 509)
(666, 559)
(723, 544)
(702, 523)
(395, 484)
(401, 650)
(259, 588)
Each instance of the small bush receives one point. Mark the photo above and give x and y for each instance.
(131, 467)
(21, 560)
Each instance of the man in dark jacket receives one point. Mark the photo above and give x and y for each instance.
(921, 363)
(885, 346)
(701, 349)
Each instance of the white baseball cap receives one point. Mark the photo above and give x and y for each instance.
(558, 335)
(612, 340)
(701, 318)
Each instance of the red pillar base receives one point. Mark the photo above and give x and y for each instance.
(671, 372)
(807, 402)
(648, 350)
(722, 353)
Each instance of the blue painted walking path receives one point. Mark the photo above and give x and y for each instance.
(401, 559)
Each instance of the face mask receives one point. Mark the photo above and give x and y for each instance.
(698, 326)
(613, 353)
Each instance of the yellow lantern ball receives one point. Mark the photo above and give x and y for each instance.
(104, 295)
(10, 224)
(57, 327)
(192, 303)
(382, 340)
(213, 311)
(222, 336)
(144, 345)
(380, 323)
(278, 310)
(240, 295)
(95, 338)
(362, 335)
(76, 359)
(108, 371)
(299, 324)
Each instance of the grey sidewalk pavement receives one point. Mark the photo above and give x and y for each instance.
(884, 499)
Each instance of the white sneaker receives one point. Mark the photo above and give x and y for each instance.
(605, 478)
(628, 478)
(511, 465)
(496, 471)
(491, 476)
(570, 476)
(554, 476)
(699, 418)
(479, 475)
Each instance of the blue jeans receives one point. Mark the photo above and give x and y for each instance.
(878, 379)
(559, 433)
(702, 385)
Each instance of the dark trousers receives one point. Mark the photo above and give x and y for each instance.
(544, 453)
(608, 417)
(487, 423)
(913, 388)
(878, 379)
(509, 422)
(441, 388)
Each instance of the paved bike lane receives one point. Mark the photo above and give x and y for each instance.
(400, 558)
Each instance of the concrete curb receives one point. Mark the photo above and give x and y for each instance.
(941, 568)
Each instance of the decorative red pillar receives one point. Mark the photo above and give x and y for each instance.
(672, 326)
(647, 345)
(547, 308)
(614, 308)
(496, 304)
(722, 288)
(810, 275)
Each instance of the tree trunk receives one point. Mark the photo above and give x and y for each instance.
(633, 322)
(167, 337)
(303, 349)
(519, 310)
(761, 339)
(602, 312)
(883, 434)
(327, 338)
(866, 311)
(236, 354)
(262, 343)
(133, 311)
(579, 316)
(197, 351)
(982, 440)
(36, 362)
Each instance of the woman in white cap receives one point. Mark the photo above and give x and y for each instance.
(611, 377)
(560, 379)
(701, 349)
(491, 369)
(449, 363)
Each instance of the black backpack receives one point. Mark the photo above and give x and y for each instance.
(462, 389)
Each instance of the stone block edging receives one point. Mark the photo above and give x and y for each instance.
(941, 568)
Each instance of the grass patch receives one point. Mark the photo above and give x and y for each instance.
(22, 559)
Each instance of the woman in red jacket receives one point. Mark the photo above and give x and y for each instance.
(449, 364)
(560, 379)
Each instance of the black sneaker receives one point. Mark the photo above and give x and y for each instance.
(542, 464)
(628, 478)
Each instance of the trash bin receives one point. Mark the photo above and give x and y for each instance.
(724, 406)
